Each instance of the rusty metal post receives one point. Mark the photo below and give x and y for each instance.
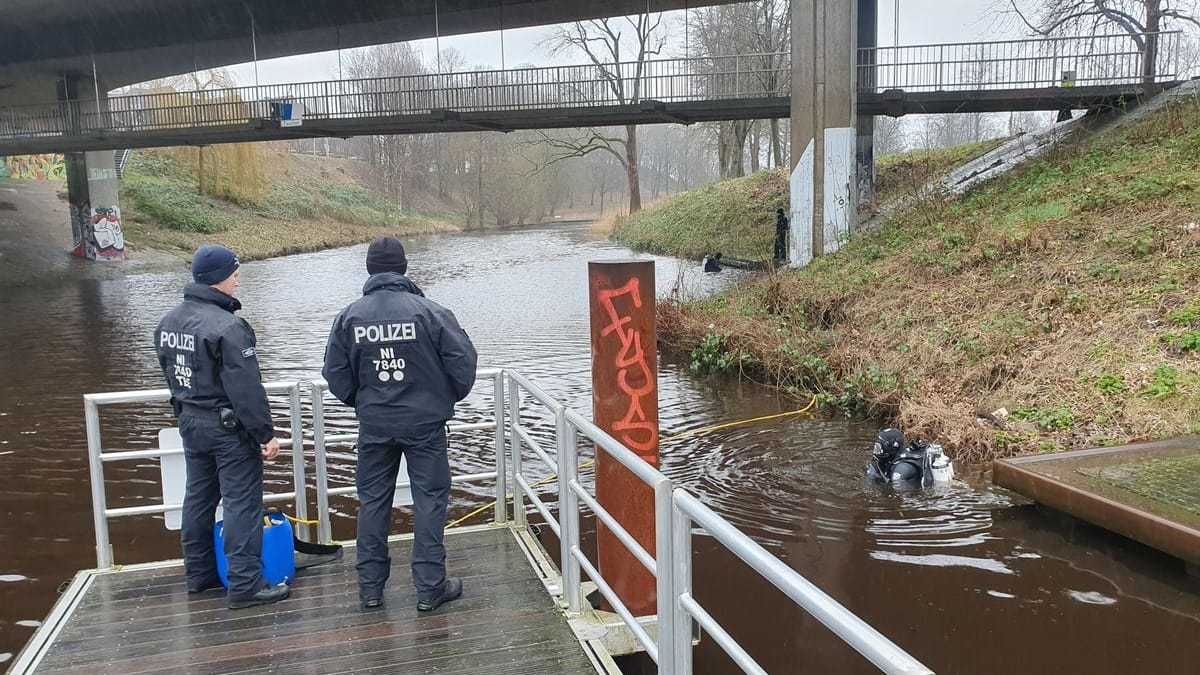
(625, 404)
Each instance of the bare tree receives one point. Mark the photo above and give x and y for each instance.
(398, 157)
(755, 34)
(1143, 20)
(889, 136)
(603, 41)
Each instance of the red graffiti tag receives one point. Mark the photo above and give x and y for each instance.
(634, 377)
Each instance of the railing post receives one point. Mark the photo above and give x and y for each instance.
(1055, 75)
(299, 483)
(104, 553)
(514, 421)
(501, 464)
(681, 535)
(324, 527)
(941, 66)
(568, 509)
(1175, 48)
(664, 566)
(737, 76)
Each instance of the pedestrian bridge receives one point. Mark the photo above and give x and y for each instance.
(1039, 74)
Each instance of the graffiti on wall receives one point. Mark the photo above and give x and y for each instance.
(103, 239)
(34, 167)
(635, 377)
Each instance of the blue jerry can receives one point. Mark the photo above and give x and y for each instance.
(278, 550)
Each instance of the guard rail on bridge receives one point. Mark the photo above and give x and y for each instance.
(1015, 74)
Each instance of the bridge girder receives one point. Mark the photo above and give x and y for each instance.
(138, 40)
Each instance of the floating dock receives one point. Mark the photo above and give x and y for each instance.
(1149, 492)
(141, 619)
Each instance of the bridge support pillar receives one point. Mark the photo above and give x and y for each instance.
(825, 132)
(868, 38)
(91, 183)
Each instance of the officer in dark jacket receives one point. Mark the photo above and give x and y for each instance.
(207, 355)
(403, 362)
(781, 233)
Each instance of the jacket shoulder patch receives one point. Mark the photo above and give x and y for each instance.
(248, 352)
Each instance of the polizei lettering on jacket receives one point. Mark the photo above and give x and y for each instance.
(375, 333)
(173, 340)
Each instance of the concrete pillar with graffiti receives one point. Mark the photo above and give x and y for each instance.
(91, 184)
(625, 404)
(825, 133)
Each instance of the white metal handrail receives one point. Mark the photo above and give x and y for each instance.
(97, 458)
(568, 426)
(846, 625)
(675, 513)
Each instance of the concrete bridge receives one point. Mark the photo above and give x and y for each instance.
(48, 43)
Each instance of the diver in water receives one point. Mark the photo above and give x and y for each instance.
(920, 463)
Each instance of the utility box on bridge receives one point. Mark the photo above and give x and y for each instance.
(287, 112)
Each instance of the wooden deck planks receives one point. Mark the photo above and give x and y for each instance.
(144, 621)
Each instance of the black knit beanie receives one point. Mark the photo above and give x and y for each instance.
(386, 254)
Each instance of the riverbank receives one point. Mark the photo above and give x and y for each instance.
(300, 204)
(1052, 309)
(737, 217)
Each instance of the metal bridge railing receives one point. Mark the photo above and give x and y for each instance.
(676, 513)
(667, 80)
(1018, 64)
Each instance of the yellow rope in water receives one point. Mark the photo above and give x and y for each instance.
(694, 432)
(705, 430)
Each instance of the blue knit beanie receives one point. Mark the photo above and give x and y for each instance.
(212, 264)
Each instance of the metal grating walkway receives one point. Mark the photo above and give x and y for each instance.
(143, 621)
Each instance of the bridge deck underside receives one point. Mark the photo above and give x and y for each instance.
(144, 621)
(439, 121)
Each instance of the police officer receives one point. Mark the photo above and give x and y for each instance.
(402, 362)
(207, 356)
(781, 233)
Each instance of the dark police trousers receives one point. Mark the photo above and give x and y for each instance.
(375, 477)
(221, 464)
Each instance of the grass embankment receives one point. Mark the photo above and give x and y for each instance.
(735, 217)
(909, 172)
(303, 204)
(1067, 293)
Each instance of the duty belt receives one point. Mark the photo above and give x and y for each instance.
(202, 413)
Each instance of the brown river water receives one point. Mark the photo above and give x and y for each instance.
(968, 578)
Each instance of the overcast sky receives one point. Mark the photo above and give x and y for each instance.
(921, 22)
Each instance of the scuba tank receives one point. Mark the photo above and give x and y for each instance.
(938, 467)
(920, 463)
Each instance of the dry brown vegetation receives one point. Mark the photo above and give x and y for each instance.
(1065, 293)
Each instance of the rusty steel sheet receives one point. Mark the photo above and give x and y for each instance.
(1129, 489)
(625, 404)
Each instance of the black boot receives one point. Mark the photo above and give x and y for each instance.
(452, 591)
(264, 597)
